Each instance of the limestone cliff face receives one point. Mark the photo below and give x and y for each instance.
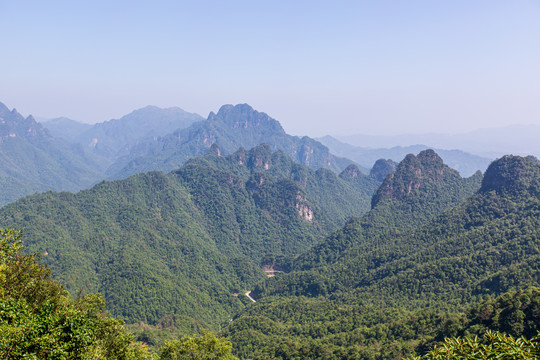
(304, 210)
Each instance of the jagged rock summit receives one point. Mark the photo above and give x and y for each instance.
(243, 116)
(413, 173)
(233, 126)
(13, 124)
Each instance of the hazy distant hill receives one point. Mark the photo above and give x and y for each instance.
(32, 160)
(489, 142)
(116, 137)
(183, 243)
(232, 127)
(65, 128)
(467, 164)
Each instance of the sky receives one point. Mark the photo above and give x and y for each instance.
(319, 67)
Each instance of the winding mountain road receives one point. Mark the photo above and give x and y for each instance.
(249, 296)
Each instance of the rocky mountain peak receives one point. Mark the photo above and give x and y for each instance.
(260, 157)
(243, 116)
(215, 149)
(14, 125)
(512, 175)
(412, 174)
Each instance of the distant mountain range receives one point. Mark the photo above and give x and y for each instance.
(144, 140)
(31, 160)
(114, 138)
(232, 127)
(77, 155)
(466, 163)
(490, 142)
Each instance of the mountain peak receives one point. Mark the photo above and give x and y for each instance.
(412, 174)
(512, 174)
(3, 109)
(14, 125)
(243, 116)
(351, 172)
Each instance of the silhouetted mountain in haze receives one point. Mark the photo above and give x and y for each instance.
(32, 160)
(65, 128)
(466, 164)
(232, 127)
(489, 142)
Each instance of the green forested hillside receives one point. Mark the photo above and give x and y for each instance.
(420, 189)
(318, 328)
(188, 242)
(387, 295)
(485, 245)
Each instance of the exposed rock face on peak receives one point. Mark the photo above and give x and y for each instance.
(513, 175)
(13, 124)
(417, 175)
(243, 116)
(214, 149)
(231, 128)
(31, 160)
(382, 168)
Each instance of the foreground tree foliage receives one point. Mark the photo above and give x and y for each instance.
(39, 320)
(203, 347)
(494, 345)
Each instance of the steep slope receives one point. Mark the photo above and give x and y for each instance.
(486, 245)
(31, 160)
(467, 164)
(336, 198)
(232, 127)
(389, 295)
(183, 243)
(421, 188)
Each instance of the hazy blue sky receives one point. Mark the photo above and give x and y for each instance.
(318, 67)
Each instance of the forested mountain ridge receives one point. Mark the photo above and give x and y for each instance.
(183, 243)
(65, 128)
(31, 160)
(232, 127)
(317, 328)
(456, 256)
(341, 196)
(420, 188)
(388, 295)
